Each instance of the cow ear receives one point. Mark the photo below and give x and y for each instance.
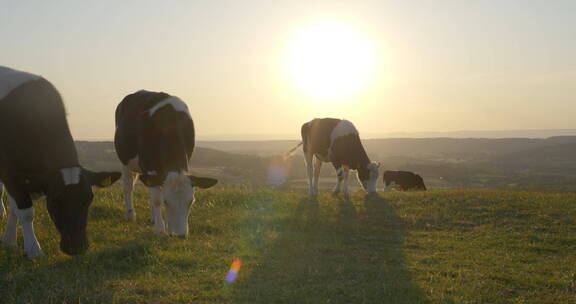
(101, 179)
(202, 182)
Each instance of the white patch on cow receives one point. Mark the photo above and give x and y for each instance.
(156, 205)
(370, 184)
(373, 168)
(175, 102)
(343, 128)
(31, 246)
(390, 186)
(178, 196)
(128, 181)
(2, 210)
(71, 176)
(10, 231)
(11, 79)
(133, 165)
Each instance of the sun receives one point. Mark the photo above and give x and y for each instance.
(330, 61)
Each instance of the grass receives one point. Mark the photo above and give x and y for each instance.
(469, 246)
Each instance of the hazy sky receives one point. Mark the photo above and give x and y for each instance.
(438, 65)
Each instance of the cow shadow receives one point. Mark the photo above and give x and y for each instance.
(335, 254)
(87, 278)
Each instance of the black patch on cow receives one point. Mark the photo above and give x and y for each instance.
(316, 136)
(348, 150)
(163, 142)
(35, 137)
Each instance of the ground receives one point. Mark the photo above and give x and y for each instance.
(443, 246)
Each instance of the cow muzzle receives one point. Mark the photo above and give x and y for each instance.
(74, 245)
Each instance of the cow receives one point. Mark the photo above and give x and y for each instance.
(405, 180)
(336, 141)
(38, 158)
(154, 140)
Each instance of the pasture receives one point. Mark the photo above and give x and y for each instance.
(456, 246)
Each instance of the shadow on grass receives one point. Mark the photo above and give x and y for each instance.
(83, 279)
(347, 257)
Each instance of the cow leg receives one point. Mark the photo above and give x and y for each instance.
(340, 177)
(128, 181)
(26, 217)
(156, 202)
(317, 167)
(10, 232)
(2, 209)
(345, 175)
(308, 158)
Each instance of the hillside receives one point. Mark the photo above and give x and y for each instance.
(445, 163)
(468, 246)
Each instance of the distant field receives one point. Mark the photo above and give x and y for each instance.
(519, 164)
(469, 246)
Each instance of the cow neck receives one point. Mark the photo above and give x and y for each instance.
(363, 159)
(362, 163)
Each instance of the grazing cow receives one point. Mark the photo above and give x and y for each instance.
(404, 179)
(155, 140)
(337, 141)
(38, 157)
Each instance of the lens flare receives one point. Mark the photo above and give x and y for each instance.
(233, 272)
(278, 171)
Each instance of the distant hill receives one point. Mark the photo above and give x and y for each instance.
(534, 133)
(387, 147)
(516, 163)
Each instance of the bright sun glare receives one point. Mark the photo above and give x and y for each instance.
(330, 61)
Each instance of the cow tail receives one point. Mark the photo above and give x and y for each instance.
(292, 150)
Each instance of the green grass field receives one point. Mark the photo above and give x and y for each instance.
(434, 247)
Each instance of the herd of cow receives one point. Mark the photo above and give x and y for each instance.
(154, 140)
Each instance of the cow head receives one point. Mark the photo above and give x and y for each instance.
(178, 192)
(68, 197)
(368, 177)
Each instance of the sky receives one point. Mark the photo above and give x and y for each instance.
(426, 66)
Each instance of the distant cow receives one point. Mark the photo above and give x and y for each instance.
(155, 140)
(38, 157)
(336, 141)
(405, 180)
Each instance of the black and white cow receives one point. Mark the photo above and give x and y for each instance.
(405, 180)
(38, 157)
(337, 141)
(155, 140)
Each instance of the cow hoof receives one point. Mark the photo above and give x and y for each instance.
(347, 196)
(335, 193)
(35, 254)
